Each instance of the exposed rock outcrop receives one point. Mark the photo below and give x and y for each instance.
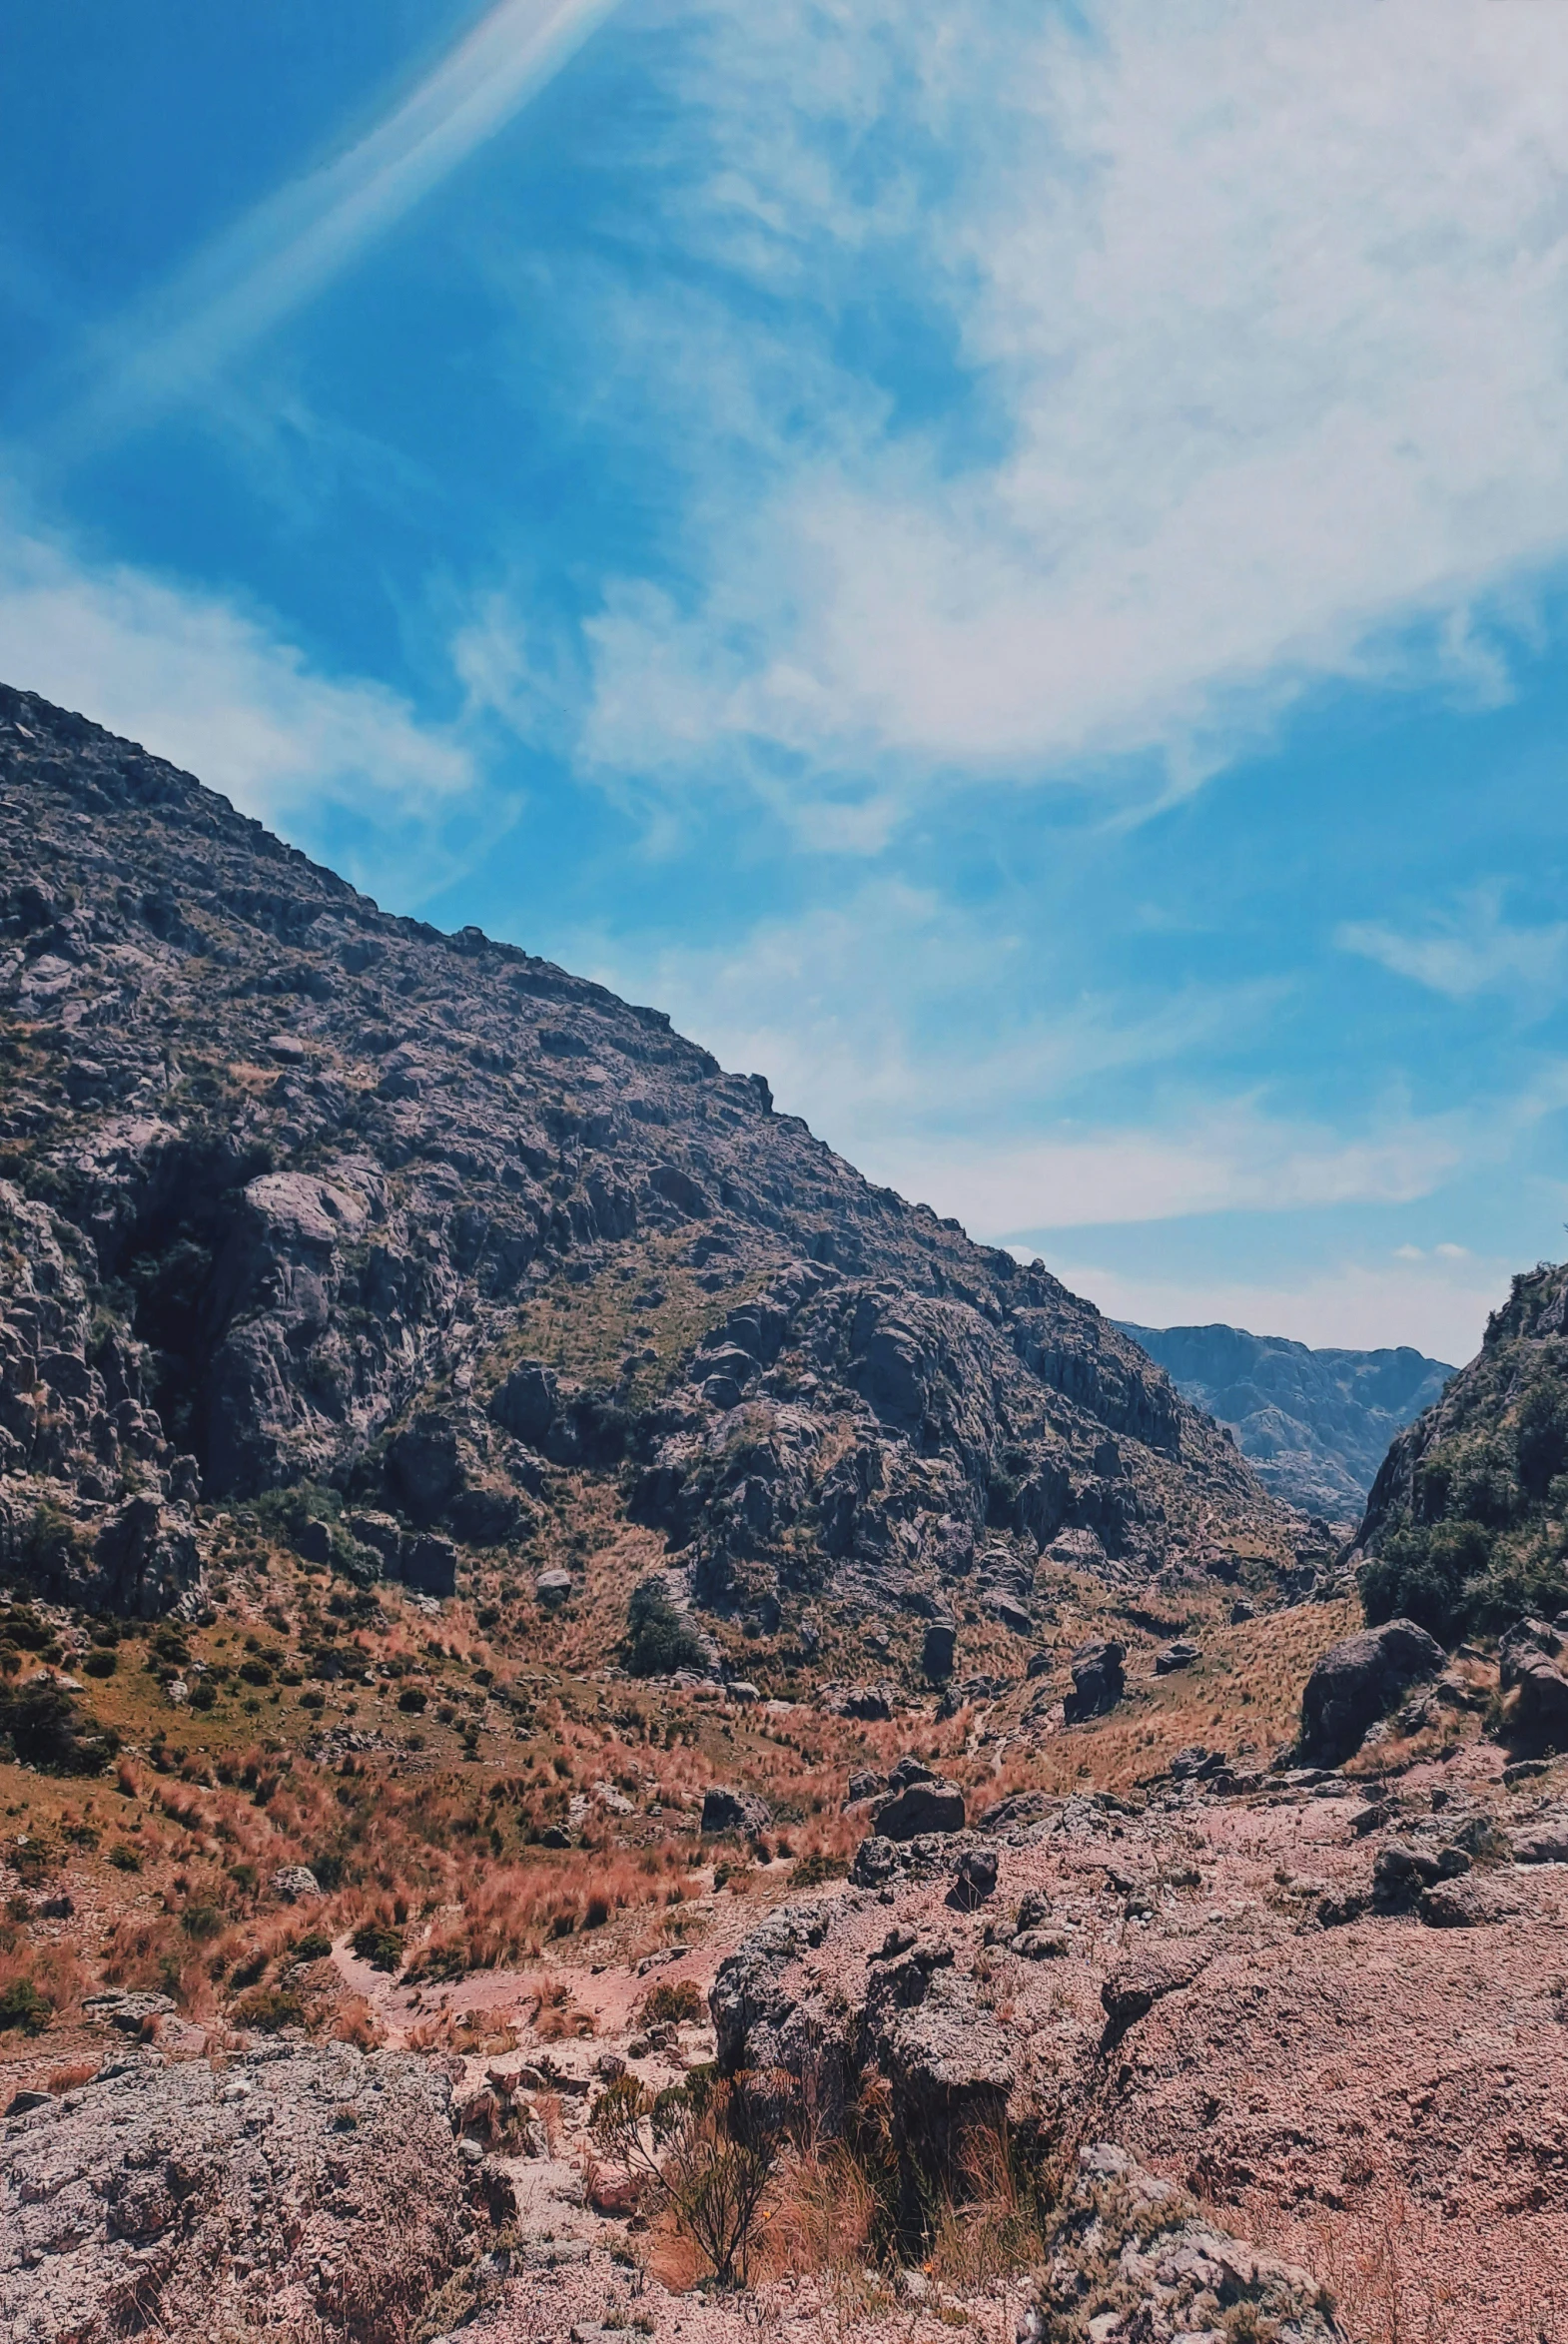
(1357, 1682)
(289, 2190)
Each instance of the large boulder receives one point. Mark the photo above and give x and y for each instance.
(726, 1810)
(1097, 1680)
(916, 1807)
(1360, 1681)
(1535, 1712)
(939, 1650)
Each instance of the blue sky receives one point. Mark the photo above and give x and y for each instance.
(1008, 565)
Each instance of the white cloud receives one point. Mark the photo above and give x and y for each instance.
(1355, 1305)
(894, 1016)
(216, 691)
(1229, 1157)
(285, 252)
(1268, 314)
(1471, 951)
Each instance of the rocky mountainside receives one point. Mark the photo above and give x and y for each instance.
(1314, 1425)
(1466, 1527)
(301, 1197)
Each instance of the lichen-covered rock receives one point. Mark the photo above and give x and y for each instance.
(293, 2190)
(1133, 2257)
(1097, 1680)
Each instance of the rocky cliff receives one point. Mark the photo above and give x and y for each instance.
(1465, 1525)
(1314, 1425)
(297, 1196)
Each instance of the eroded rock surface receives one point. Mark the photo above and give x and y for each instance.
(292, 2190)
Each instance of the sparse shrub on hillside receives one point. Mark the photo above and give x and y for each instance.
(676, 2002)
(709, 2150)
(40, 1725)
(377, 1942)
(658, 1639)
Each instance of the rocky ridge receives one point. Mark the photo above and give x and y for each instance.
(1314, 1425)
(298, 1194)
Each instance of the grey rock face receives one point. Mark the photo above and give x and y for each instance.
(1360, 1681)
(1535, 1714)
(290, 2191)
(344, 1154)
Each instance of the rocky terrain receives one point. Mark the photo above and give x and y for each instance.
(605, 1730)
(1466, 1526)
(1313, 1425)
(300, 1195)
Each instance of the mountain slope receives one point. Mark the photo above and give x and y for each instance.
(1466, 1526)
(1314, 1425)
(300, 1196)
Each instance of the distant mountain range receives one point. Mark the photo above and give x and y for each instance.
(1314, 1425)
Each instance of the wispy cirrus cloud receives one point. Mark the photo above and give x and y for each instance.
(284, 252)
(1472, 949)
(1196, 425)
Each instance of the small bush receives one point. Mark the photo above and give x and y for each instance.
(22, 2005)
(412, 1700)
(812, 1869)
(676, 2002)
(102, 1661)
(124, 1858)
(313, 1947)
(45, 1729)
(201, 1923)
(658, 1639)
(269, 2009)
(377, 1942)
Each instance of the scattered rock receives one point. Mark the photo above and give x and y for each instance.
(976, 1880)
(294, 1882)
(939, 1650)
(1134, 1985)
(1178, 1654)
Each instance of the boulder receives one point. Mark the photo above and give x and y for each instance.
(1535, 1713)
(295, 1884)
(144, 1560)
(976, 1880)
(1180, 1654)
(1360, 1681)
(429, 1564)
(1401, 1872)
(553, 1586)
(1097, 1680)
(1134, 1985)
(726, 1810)
(1522, 1645)
(238, 2192)
(939, 1650)
(929, 1805)
(1545, 1841)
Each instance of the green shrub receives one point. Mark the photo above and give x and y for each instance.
(44, 1728)
(658, 1639)
(22, 2005)
(377, 1942)
(412, 1700)
(676, 2002)
(201, 1923)
(124, 1858)
(269, 2009)
(100, 1662)
(313, 1947)
(811, 1870)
